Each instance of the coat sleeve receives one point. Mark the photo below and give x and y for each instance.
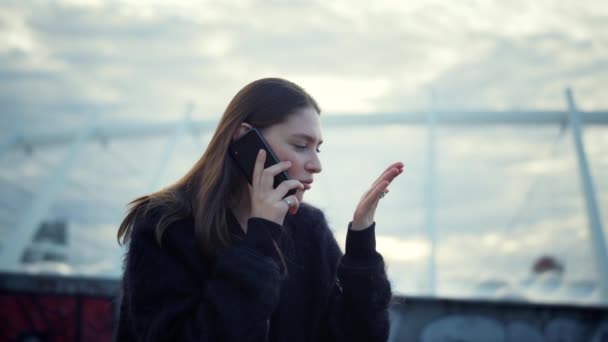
(360, 295)
(168, 301)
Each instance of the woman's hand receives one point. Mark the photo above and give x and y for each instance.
(364, 214)
(267, 202)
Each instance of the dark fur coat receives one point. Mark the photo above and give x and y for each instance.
(244, 294)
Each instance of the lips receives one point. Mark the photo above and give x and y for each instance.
(307, 184)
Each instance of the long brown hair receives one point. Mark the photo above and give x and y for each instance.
(214, 184)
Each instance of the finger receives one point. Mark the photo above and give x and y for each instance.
(390, 173)
(278, 167)
(395, 165)
(295, 204)
(271, 171)
(258, 167)
(370, 202)
(380, 188)
(367, 206)
(287, 185)
(388, 176)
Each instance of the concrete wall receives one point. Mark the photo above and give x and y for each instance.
(427, 319)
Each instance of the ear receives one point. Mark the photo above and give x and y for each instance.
(241, 130)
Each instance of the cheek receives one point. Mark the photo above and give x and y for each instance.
(297, 167)
(297, 162)
(283, 154)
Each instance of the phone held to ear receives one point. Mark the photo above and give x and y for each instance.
(244, 152)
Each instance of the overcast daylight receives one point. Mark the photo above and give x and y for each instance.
(479, 208)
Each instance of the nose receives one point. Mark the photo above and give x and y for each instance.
(314, 164)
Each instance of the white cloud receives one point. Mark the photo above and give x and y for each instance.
(15, 33)
(343, 94)
(396, 249)
(384, 56)
(88, 4)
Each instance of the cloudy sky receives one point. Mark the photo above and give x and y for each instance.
(144, 61)
(147, 59)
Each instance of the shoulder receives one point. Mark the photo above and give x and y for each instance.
(175, 242)
(145, 221)
(174, 230)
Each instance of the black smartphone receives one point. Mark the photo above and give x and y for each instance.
(245, 150)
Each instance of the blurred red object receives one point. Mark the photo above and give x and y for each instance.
(54, 318)
(54, 308)
(547, 263)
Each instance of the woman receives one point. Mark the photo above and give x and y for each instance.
(213, 258)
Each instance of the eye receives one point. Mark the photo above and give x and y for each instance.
(304, 147)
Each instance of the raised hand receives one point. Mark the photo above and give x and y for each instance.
(366, 209)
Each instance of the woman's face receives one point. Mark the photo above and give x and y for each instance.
(298, 140)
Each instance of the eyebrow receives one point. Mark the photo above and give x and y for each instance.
(307, 137)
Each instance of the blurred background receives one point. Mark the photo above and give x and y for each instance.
(103, 101)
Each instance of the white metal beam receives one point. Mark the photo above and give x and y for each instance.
(22, 235)
(138, 130)
(178, 131)
(431, 197)
(598, 239)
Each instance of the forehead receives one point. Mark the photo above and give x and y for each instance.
(303, 122)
